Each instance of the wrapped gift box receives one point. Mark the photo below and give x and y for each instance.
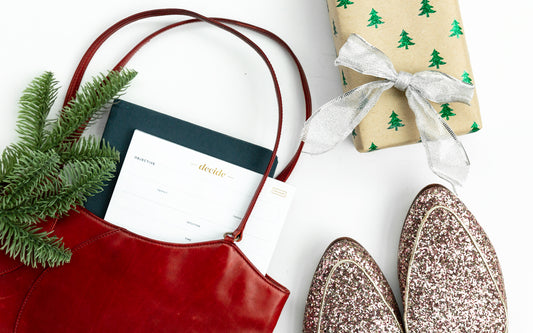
(416, 35)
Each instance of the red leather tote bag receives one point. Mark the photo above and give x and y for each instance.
(118, 281)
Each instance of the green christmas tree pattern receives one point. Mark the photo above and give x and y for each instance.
(405, 41)
(344, 3)
(466, 77)
(344, 79)
(474, 127)
(436, 59)
(446, 111)
(374, 19)
(354, 133)
(456, 29)
(395, 122)
(426, 8)
(334, 28)
(373, 147)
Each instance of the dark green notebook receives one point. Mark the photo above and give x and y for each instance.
(126, 117)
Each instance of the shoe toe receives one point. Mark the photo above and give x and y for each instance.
(449, 273)
(349, 293)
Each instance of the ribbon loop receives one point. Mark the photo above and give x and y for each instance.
(364, 58)
(325, 130)
(441, 88)
(335, 120)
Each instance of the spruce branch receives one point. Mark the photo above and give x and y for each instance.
(35, 105)
(82, 179)
(51, 170)
(77, 181)
(31, 245)
(8, 160)
(87, 106)
(87, 148)
(32, 176)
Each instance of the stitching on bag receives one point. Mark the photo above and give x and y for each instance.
(207, 244)
(94, 239)
(28, 294)
(41, 275)
(148, 240)
(80, 246)
(118, 230)
(10, 269)
(176, 246)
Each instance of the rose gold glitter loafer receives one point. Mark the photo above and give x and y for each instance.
(450, 277)
(350, 294)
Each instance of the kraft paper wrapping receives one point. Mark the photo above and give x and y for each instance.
(414, 34)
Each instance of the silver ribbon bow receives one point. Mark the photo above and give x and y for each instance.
(335, 120)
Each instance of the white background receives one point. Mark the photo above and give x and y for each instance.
(205, 76)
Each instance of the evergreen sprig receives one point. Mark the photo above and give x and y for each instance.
(35, 105)
(52, 169)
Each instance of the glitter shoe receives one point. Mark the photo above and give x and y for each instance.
(449, 274)
(350, 294)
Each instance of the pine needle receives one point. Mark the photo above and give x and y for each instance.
(30, 177)
(35, 105)
(31, 245)
(87, 106)
(87, 149)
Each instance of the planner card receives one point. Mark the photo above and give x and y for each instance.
(124, 118)
(175, 194)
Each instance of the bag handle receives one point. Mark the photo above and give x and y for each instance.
(220, 23)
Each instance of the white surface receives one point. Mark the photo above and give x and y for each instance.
(164, 192)
(342, 193)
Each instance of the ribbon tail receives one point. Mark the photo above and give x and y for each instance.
(446, 155)
(335, 120)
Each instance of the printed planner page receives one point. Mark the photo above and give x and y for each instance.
(174, 194)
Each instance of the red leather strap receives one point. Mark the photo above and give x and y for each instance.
(80, 70)
(286, 172)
